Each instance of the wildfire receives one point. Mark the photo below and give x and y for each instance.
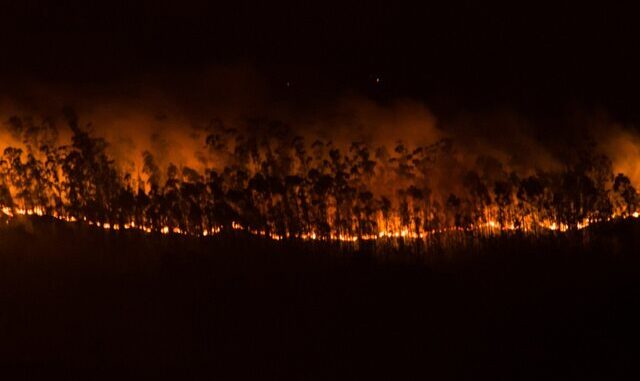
(490, 227)
(277, 186)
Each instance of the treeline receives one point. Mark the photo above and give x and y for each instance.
(273, 181)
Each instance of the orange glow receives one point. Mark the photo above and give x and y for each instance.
(275, 184)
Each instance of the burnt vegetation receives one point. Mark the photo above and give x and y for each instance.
(273, 182)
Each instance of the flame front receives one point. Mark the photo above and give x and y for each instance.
(276, 185)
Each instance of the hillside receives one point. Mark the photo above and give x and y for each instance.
(77, 298)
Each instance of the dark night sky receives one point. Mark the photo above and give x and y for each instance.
(537, 60)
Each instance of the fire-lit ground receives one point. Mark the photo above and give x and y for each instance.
(81, 299)
(487, 229)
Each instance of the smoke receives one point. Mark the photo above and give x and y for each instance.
(622, 146)
(170, 116)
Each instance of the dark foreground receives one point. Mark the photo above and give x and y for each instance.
(78, 301)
